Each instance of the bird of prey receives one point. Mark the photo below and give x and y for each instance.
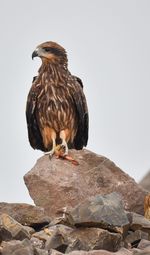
(56, 110)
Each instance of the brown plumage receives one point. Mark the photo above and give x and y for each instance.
(56, 109)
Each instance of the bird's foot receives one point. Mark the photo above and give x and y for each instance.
(61, 152)
(50, 153)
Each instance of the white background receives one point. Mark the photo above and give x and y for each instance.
(108, 45)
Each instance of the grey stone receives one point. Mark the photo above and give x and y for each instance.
(16, 247)
(105, 211)
(37, 243)
(139, 222)
(54, 237)
(144, 244)
(38, 251)
(134, 237)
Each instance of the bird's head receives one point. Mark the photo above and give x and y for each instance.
(51, 52)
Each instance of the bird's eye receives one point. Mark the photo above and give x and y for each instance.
(47, 49)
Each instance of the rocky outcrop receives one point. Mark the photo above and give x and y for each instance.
(92, 208)
(100, 225)
(56, 184)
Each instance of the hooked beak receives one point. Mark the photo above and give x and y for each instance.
(35, 54)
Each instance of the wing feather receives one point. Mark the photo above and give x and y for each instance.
(34, 134)
(79, 99)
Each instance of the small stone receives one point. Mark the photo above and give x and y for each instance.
(56, 242)
(11, 229)
(30, 230)
(102, 211)
(16, 247)
(144, 244)
(139, 222)
(55, 252)
(141, 252)
(25, 214)
(54, 237)
(93, 239)
(135, 237)
(37, 243)
(38, 251)
(41, 235)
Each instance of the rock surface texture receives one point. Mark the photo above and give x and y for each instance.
(104, 237)
(90, 209)
(56, 184)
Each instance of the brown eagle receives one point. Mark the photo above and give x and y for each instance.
(56, 110)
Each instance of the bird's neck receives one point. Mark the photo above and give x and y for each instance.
(54, 73)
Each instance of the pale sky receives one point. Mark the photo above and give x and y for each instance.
(108, 45)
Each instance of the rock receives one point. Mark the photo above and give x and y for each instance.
(56, 241)
(145, 182)
(93, 239)
(140, 223)
(58, 237)
(55, 184)
(122, 251)
(29, 230)
(105, 211)
(11, 229)
(40, 252)
(65, 239)
(55, 252)
(17, 248)
(37, 243)
(144, 244)
(65, 219)
(139, 252)
(25, 214)
(54, 237)
(134, 238)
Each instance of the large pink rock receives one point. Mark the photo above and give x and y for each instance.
(55, 184)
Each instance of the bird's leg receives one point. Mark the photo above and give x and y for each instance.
(63, 145)
(62, 151)
(52, 151)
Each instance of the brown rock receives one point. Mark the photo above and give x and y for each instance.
(54, 237)
(105, 211)
(140, 223)
(58, 183)
(145, 182)
(29, 230)
(93, 239)
(122, 251)
(25, 214)
(17, 248)
(11, 229)
(135, 237)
